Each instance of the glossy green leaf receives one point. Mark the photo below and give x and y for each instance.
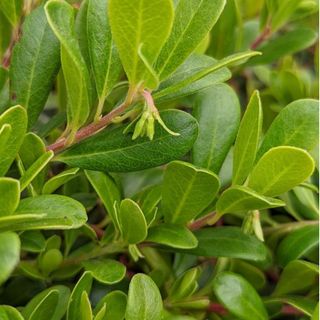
(103, 53)
(182, 82)
(246, 145)
(197, 74)
(286, 44)
(193, 20)
(239, 198)
(74, 304)
(106, 271)
(45, 212)
(296, 125)
(60, 16)
(10, 196)
(106, 189)
(134, 31)
(111, 150)
(296, 277)
(144, 299)
(30, 151)
(239, 297)
(35, 169)
(51, 301)
(280, 169)
(16, 117)
(115, 302)
(217, 110)
(9, 313)
(35, 64)
(187, 191)
(9, 253)
(174, 236)
(58, 180)
(297, 244)
(32, 241)
(133, 225)
(12, 10)
(228, 242)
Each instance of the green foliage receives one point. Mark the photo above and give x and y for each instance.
(135, 183)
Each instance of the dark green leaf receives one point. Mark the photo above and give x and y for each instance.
(111, 150)
(35, 64)
(217, 110)
(228, 242)
(187, 191)
(239, 297)
(297, 244)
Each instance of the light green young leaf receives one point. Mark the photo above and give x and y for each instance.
(30, 151)
(111, 150)
(85, 307)
(187, 191)
(10, 196)
(16, 117)
(286, 44)
(239, 297)
(34, 65)
(45, 212)
(133, 225)
(9, 253)
(60, 16)
(246, 145)
(297, 244)
(104, 56)
(280, 169)
(239, 198)
(297, 276)
(106, 189)
(5, 132)
(228, 242)
(174, 236)
(12, 10)
(296, 125)
(179, 85)
(51, 301)
(192, 22)
(74, 304)
(144, 299)
(106, 271)
(101, 314)
(60, 179)
(140, 25)
(10, 313)
(115, 302)
(217, 110)
(35, 169)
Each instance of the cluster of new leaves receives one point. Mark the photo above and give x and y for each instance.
(135, 183)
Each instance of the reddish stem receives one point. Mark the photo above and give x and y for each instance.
(99, 232)
(217, 308)
(201, 222)
(264, 35)
(290, 311)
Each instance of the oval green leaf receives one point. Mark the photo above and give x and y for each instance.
(187, 191)
(239, 297)
(174, 236)
(144, 299)
(111, 150)
(10, 196)
(280, 170)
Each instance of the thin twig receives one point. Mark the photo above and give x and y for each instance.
(264, 35)
(201, 222)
